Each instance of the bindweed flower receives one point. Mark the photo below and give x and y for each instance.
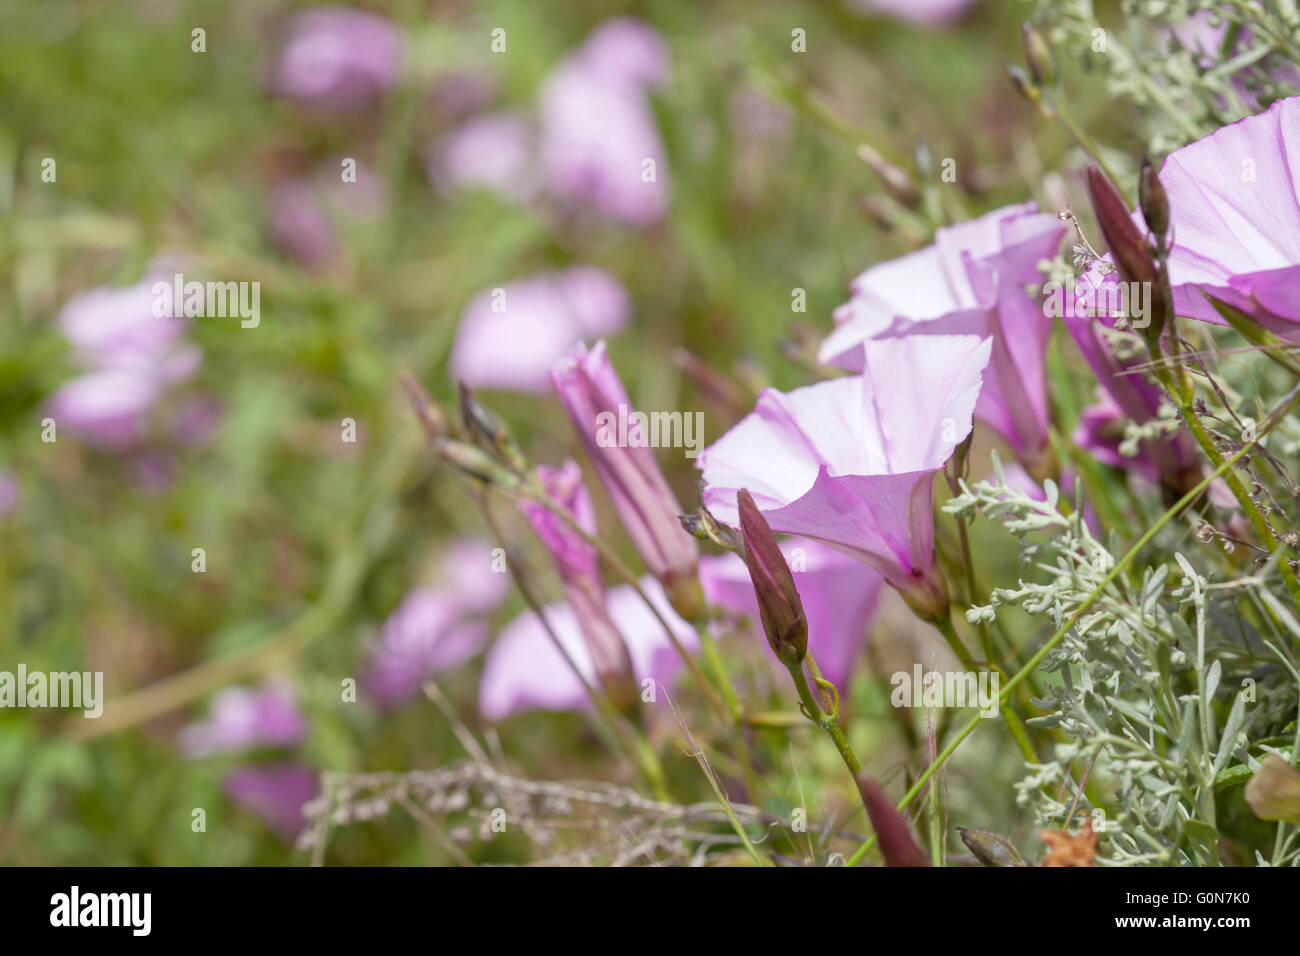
(934, 14)
(242, 719)
(8, 492)
(511, 337)
(599, 145)
(779, 606)
(970, 280)
(592, 393)
(426, 634)
(1232, 209)
(1231, 205)
(851, 461)
(525, 671)
(578, 566)
(897, 845)
(133, 356)
(300, 225)
(275, 794)
(337, 59)
(839, 596)
(493, 151)
(438, 626)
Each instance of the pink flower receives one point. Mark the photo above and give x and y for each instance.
(107, 408)
(839, 597)
(574, 557)
(971, 280)
(511, 336)
(599, 140)
(626, 50)
(592, 394)
(437, 626)
(426, 634)
(493, 151)
(925, 13)
(242, 719)
(337, 58)
(578, 566)
(275, 794)
(525, 671)
(1233, 208)
(8, 492)
(469, 572)
(300, 225)
(851, 461)
(132, 356)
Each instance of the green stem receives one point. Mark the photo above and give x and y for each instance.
(825, 721)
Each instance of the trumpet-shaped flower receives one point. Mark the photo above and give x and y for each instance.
(1233, 204)
(851, 462)
(970, 280)
(511, 336)
(592, 393)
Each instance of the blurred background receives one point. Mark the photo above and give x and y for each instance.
(379, 170)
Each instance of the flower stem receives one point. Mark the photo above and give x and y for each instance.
(825, 721)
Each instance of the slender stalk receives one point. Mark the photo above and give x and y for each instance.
(825, 721)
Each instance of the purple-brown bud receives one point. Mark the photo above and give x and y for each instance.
(894, 836)
(1127, 246)
(1152, 201)
(779, 605)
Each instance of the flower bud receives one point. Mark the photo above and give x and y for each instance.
(1038, 56)
(1024, 84)
(1153, 201)
(431, 415)
(474, 462)
(897, 183)
(991, 849)
(591, 393)
(1127, 247)
(897, 845)
(779, 605)
(488, 431)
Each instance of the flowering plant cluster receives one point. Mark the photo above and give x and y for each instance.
(993, 560)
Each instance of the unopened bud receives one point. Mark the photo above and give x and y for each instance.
(779, 604)
(898, 184)
(897, 845)
(488, 431)
(475, 462)
(1153, 201)
(1038, 56)
(431, 415)
(1024, 84)
(991, 849)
